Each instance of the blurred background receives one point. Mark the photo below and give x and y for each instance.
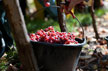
(94, 55)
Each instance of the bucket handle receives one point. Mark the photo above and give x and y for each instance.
(74, 17)
(83, 35)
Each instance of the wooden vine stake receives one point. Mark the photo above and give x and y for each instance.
(94, 20)
(20, 34)
(61, 21)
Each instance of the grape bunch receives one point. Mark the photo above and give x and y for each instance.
(49, 35)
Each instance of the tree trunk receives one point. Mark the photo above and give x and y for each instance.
(61, 21)
(94, 20)
(98, 3)
(20, 34)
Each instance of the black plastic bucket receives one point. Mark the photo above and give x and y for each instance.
(2, 45)
(106, 38)
(57, 57)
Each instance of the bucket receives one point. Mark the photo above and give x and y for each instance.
(57, 57)
(2, 45)
(106, 38)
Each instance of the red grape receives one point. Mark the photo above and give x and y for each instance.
(49, 35)
(47, 4)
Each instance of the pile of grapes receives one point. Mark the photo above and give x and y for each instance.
(49, 35)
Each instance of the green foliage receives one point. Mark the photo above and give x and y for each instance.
(71, 23)
(3, 65)
(35, 25)
(100, 12)
(11, 57)
(87, 20)
(84, 18)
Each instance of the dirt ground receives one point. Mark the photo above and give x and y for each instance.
(94, 56)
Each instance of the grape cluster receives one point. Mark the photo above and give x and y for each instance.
(49, 35)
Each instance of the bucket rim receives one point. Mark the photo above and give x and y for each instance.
(62, 45)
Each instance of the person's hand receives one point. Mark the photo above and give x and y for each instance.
(73, 3)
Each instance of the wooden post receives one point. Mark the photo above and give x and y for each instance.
(20, 34)
(94, 20)
(61, 21)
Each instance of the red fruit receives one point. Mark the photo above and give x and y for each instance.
(37, 37)
(47, 4)
(49, 35)
(53, 34)
(75, 42)
(39, 33)
(32, 35)
(46, 30)
(33, 39)
(67, 42)
(51, 28)
(47, 39)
